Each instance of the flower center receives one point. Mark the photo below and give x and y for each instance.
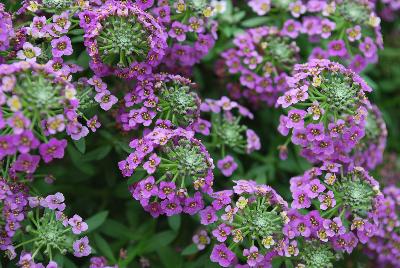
(122, 41)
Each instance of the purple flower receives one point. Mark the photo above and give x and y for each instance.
(144, 4)
(222, 232)
(26, 141)
(208, 216)
(253, 141)
(93, 123)
(55, 201)
(327, 200)
(368, 47)
(53, 149)
(227, 165)
(253, 256)
(77, 224)
(26, 163)
(151, 165)
(29, 52)
(334, 227)
(337, 48)
(106, 99)
(300, 199)
(26, 260)
(358, 63)
(178, 31)
(315, 132)
(296, 119)
(81, 247)
(61, 46)
(222, 255)
(301, 228)
(166, 190)
(148, 187)
(201, 239)
(171, 206)
(314, 187)
(193, 204)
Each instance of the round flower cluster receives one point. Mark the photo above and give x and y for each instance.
(260, 61)
(342, 30)
(7, 30)
(327, 110)
(177, 165)
(368, 153)
(225, 131)
(122, 39)
(384, 246)
(345, 204)
(49, 231)
(161, 98)
(36, 103)
(191, 31)
(14, 200)
(249, 226)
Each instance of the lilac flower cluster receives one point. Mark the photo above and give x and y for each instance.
(327, 110)
(7, 30)
(177, 166)
(369, 152)
(248, 225)
(122, 39)
(226, 131)
(342, 30)
(47, 232)
(384, 245)
(161, 99)
(345, 206)
(260, 61)
(191, 31)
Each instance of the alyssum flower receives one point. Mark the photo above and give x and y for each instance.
(326, 110)
(122, 39)
(178, 169)
(247, 226)
(161, 99)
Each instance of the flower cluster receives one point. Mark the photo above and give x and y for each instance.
(342, 30)
(369, 152)
(176, 164)
(327, 110)
(7, 30)
(383, 246)
(191, 31)
(260, 61)
(248, 222)
(122, 39)
(49, 231)
(226, 132)
(164, 99)
(345, 205)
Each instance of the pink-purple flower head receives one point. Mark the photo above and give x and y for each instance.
(160, 99)
(260, 61)
(339, 197)
(7, 30)
(226, 127)
(256, 216)
(369, 152)
(191, 32)
(178, 165)
(122, 39)
(327, 108)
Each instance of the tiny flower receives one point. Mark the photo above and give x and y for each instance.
(61, 46)
(29, 52)
(77, 224)
(81, 247)
(227, 165)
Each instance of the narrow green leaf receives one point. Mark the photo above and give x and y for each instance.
(80, 145)
(175, 222)
(96, 220)
(103, 247)
(189, 250)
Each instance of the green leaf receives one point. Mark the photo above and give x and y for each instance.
(169, 258)
(96, 220)
(117, 230)
(80, 145)
(175, 222)
(159, 240)
(98, 154)
(103, 247)
(189, 250)
(76, 32)
(257, 21)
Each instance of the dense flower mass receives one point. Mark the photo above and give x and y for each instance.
(161, 99)
(352, 197)
(326, 110)
(122, 39)
(177, 165)
(342, 30)
(259, 63)
(249, 221)
(225, 133)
